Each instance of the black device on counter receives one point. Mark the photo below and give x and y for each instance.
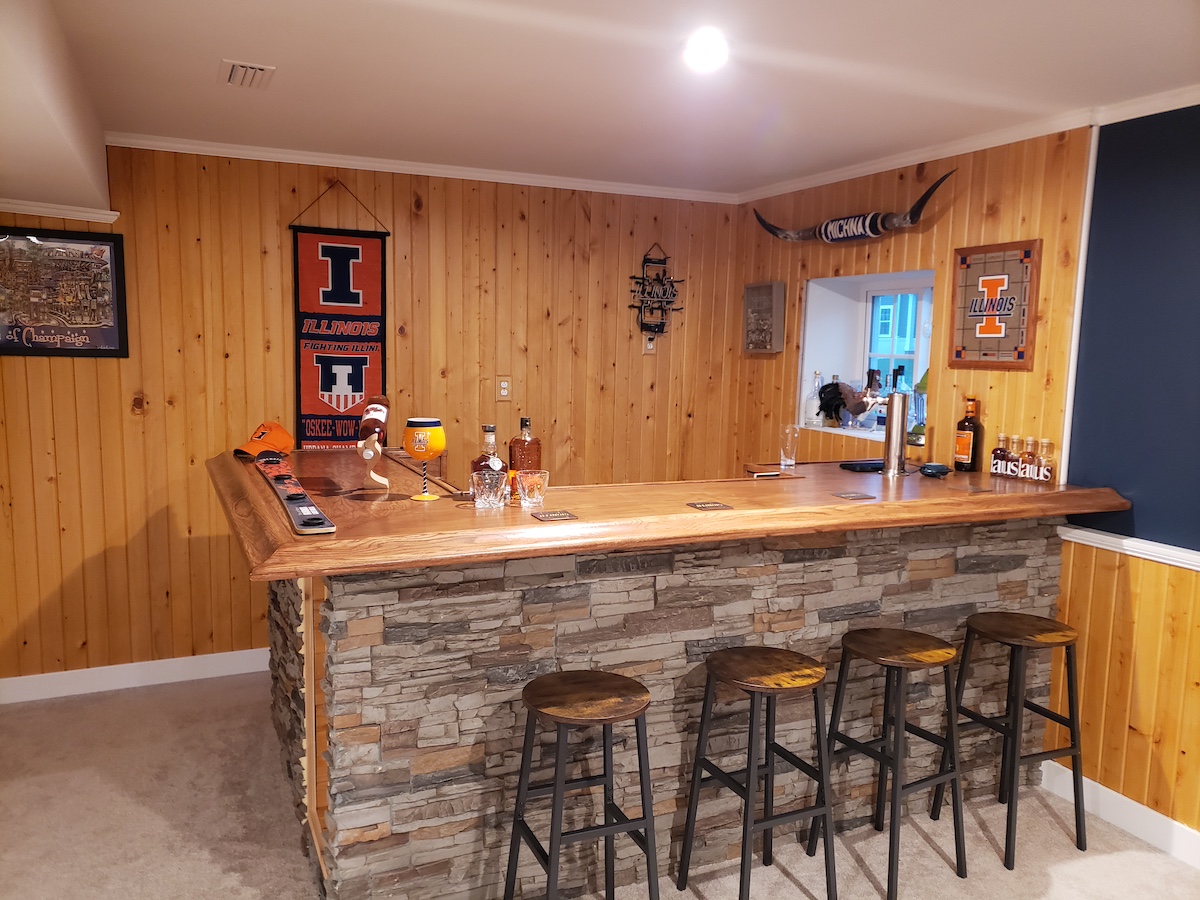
(863, 465)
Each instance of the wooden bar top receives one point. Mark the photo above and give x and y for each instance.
(378, 532)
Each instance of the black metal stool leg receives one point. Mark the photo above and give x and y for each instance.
(1016, 722)
(610, 855)
(899, 733)
(1012, 700)
(689, 831)
(824, 790)
(839, 695)
(889, 722)
(769, 761)
(556, 812)
(647, 806)
(952, 764)
(960, 689)
(514, 844)
(1076, 752)
(751, 795)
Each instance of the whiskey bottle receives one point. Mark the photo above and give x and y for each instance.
(999, 467)
(524, 450)
(488, 459)
(1027, 471)
(1045, 462)
(967, 438)
(1013, 465)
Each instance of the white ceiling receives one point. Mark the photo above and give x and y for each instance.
(554, 91)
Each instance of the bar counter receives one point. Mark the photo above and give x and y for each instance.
(400, 644)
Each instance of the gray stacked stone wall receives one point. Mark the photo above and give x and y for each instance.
(425, 669)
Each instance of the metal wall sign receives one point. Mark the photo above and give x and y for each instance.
(654, 293)
(857, 227)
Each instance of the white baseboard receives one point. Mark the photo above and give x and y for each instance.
(1162, 832)
(139, 674)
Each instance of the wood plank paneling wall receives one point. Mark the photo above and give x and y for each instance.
(112, 547)
(1139, 676)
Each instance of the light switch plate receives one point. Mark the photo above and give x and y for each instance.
(504, 388)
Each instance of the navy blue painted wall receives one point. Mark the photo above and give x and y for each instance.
(1136, 424)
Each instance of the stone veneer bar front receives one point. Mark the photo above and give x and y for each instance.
(424, 671)
(433, 617)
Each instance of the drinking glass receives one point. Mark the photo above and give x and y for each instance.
(531, 486)
(789, 441)
(490, 488)
(424, 439)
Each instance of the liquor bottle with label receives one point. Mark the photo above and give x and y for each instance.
(488, 459)
(967, 438)
(373, 424)
(999, 467)
(1045, 461)
(1027, 470)
(812, 404)
(1012, 465)
(524, 450)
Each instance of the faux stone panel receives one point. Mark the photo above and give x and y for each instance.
(425, 671)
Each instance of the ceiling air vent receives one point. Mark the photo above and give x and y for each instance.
(246, 75)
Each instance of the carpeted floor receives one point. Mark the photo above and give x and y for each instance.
(176, 792)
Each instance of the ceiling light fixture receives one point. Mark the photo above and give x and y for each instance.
(706, 50)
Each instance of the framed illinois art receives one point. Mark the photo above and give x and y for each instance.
(994, 317)
(62, 293)
(339, 284)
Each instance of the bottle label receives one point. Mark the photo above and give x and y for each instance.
(376, 411)
(963, 444)
(495, 463)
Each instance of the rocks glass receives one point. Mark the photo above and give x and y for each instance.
(490, 488)
(531, 486)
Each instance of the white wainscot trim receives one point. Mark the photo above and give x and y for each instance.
(140, 674)
(1179, 557)
(1162, 832)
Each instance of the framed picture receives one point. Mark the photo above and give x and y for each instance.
(994, 317)
(62, 293)
(764, 316)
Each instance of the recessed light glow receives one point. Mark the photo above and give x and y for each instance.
(706, 50)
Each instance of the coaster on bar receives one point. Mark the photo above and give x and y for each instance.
(709, 504)
(854, 495)
(554, 515)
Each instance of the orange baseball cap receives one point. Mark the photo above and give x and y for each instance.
(267, 436)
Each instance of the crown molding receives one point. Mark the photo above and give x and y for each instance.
(1080, 118)
(1149, 105)
(57, 211)
(405, 167)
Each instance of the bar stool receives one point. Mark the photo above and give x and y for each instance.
(576, 699)
(899, 652)
(1021, 632)
(774, 673)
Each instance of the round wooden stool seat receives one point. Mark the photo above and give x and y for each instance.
(898, 648)
(1022, 629)
(764, 670)
(586, 697)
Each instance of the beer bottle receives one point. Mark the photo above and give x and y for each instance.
(967, 438)
(374, 422)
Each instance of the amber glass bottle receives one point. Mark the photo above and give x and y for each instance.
(999, 467)
(524, 450)
(967, 439)
(1045, 461)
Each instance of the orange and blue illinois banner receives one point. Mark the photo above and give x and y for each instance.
(339, 283)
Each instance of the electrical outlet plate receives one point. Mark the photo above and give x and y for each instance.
(647, 345)
(504, 388)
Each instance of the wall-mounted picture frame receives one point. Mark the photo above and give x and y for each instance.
(764, 316)
(62, 293)
(994, 317)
